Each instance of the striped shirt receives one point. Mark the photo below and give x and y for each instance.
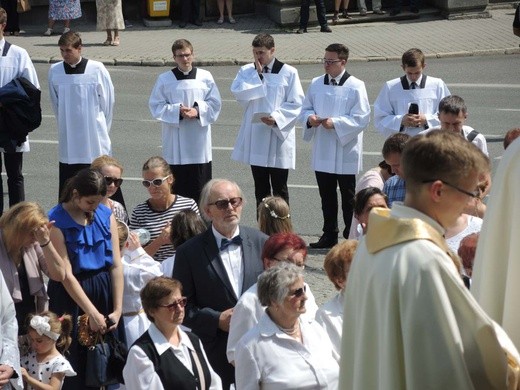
(143, 216)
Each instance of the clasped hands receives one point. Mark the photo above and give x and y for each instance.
(188, 112)
(314, 120)
(414, 120)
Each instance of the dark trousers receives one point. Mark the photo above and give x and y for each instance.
(327, 184)
(190, 10)
(15, 181)
(190, 178)
(320, 13)
(66, 171)
(10, 7)
(265, 178)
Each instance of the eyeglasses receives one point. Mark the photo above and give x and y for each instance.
(156, 182)
(183, 55)
(223, 204)
(473, 194)
(329, 62)
(117, 182)
(177, 304)
(298, 292)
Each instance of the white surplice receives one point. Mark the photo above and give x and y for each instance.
(138, 269)
(186, 141)
(248, 311)
(495, 280)
(410, 323)
(338, 150)
(17, 63)
(479, 141)
(393, 103)
(83, 106)
(9, 353)
(279, 95)
(269, 359)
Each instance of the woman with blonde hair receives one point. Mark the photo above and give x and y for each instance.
(274, 216)
(26, 253)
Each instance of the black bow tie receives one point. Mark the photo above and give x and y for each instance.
(237, 240)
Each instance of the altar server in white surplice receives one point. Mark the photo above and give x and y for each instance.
(410, 103)
(187, 102)
(271, 94)
(14, 62)
(334, 114)
(409, 321)
(82, 97)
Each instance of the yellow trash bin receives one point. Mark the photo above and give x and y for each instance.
(158, 8)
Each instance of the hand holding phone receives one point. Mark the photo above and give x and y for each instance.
(413, 109)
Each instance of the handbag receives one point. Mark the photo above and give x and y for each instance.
(23, 6)
(106, 356)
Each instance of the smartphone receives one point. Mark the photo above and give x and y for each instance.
(413, 109)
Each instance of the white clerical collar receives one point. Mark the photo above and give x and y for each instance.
(337, 78)
(185, 73)
(76, 64)
(418, 82)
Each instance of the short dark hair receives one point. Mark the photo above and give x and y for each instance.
(510, 136)
(363, 196)
(181, 44)
(156, 289)
(412, 58)
(185, 225)
(263, 40)
(395, 144)
(453, 104)
(87, 182)
(340, 49)
(70, 38)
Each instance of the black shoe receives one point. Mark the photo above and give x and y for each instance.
(324, 242)
(325, 29)
(182, 24)
(395, 12)
(414, 10)
(197, 23)
(301, 31)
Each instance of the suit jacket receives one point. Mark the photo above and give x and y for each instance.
(199, 268)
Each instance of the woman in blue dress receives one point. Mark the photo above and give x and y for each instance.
(62, 10)
(87, 240)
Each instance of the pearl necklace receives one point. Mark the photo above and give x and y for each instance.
(291, 331)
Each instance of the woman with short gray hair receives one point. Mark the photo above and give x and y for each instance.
(305, 347)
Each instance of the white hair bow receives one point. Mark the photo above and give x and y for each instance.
(42, 327)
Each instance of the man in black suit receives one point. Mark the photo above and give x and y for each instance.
(215, 267)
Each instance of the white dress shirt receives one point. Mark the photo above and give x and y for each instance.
(139, 372)
(330, 317)
(232, 260)
(267, 358)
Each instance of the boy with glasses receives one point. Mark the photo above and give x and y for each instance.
(187, 102)
(409, 320)
(334, 114)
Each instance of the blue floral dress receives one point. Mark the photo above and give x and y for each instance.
(64, 9)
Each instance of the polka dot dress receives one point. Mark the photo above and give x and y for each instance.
(43, 371)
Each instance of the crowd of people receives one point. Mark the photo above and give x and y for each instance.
(206, 302)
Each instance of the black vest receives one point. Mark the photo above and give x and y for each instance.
(171, 371)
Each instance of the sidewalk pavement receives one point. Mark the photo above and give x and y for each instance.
(380, 38)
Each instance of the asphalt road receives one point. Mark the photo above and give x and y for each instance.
(486, 83)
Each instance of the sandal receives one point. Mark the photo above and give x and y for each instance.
(116, 41)
(108, 42)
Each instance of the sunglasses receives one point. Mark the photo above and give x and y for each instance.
(223, 204)
(298, 292)
(177, 304)
(117, 182)
(156, 182)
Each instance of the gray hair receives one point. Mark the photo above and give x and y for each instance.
(205, 194)
(275, 282)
